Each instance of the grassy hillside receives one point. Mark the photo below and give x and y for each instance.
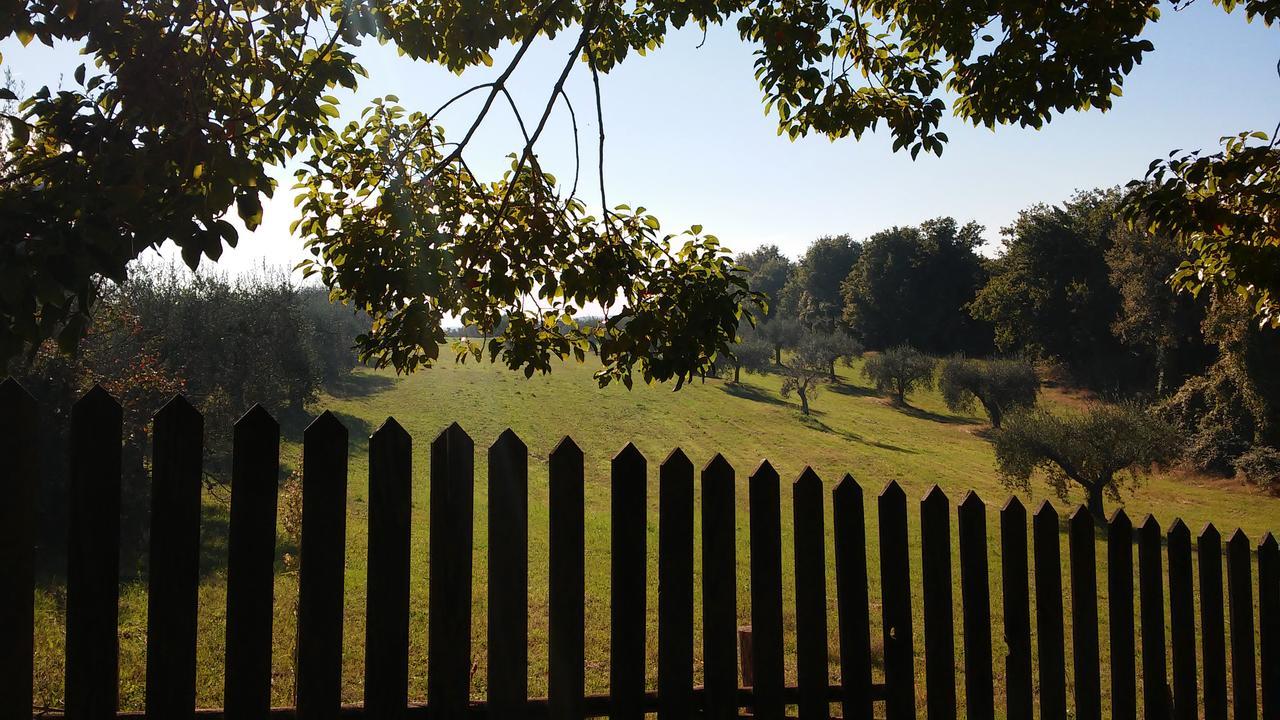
(852, 430)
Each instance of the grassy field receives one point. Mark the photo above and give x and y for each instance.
(852, 430)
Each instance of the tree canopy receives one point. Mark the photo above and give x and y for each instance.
(912, 285)
(184, 109)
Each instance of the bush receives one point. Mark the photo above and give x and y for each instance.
(1261, 466)
(1214, 449)
(1097, 449)
(899, 371)
(999, 385)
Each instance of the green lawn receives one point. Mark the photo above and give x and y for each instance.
(852, 430)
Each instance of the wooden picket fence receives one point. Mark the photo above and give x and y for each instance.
(93, 589)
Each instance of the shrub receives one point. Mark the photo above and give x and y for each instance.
(998, 385)
(899, 371)
(1096, 449)
(1261, 466)
(1214, 449)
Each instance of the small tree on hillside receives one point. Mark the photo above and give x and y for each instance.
(806, 370)
(998, 385)
(1101, 450)
(838, 345)
(899, 371)
(752, 354)
(781, 331)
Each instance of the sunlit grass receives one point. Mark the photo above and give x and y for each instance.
(852, 430)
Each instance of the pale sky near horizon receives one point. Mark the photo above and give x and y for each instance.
(687, 137)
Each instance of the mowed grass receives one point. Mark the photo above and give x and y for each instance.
(852, 430)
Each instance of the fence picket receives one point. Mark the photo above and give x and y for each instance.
(1124, 688)
(675, 587)
(975, 594)
(508, 627)
(322, 564)
(939, 622)
(1212, 634)
(386, 654)
(251, 549)
(566, 587)
(449, 589)
(811, 597)
(93, 552)
(1049, 622)
(853, 607)
(1155, 681)
(1014, 586)
(766, 590)
(1183, 622)
(628, 587)
(895, 588)
(719, 591)
(1269, 624)
(19, 438)
(1244, 679)
(1084, 616)
(177, 442)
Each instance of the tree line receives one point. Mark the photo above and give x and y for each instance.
(224, 342)
(1076, 287)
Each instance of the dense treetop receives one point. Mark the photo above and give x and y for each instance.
(183, 108)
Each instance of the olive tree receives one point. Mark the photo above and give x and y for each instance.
(899, 371)
(998, 385)
(837, 346)
(1101, 450)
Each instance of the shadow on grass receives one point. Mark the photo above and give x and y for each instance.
(851, 390)
(358, 384)
(916, 412)
(753, 393)
(812, 422)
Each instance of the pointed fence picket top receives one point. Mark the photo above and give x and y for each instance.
(508, 626)
(1212, 618)
(1182, 622)
(628, 582)
(719, 590)
(177, 443)
(1155, 680)
(386, 653)
(1050, 639)
(852, 603)
(19, 439)
(1239, 589)
(1269, 624)
(321, 573)
(93, 557)
(975, 592)
(1084, 616)
(895, 589)
(811, 596)
(939, 621)
(675, 586)
(1015, 589)
(1124, 688)
(766, 590)
(449, 589)
(566, 588)
(251, 549)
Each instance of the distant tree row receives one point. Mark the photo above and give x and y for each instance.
(1073, 285)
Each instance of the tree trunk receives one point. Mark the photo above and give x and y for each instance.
(737, 374)
(993, 412)
(804, 400)
(1094, 495)
(777, 355)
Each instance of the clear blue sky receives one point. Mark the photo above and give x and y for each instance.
(688, 139)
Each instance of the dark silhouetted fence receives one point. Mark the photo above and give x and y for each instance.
(93, 589)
